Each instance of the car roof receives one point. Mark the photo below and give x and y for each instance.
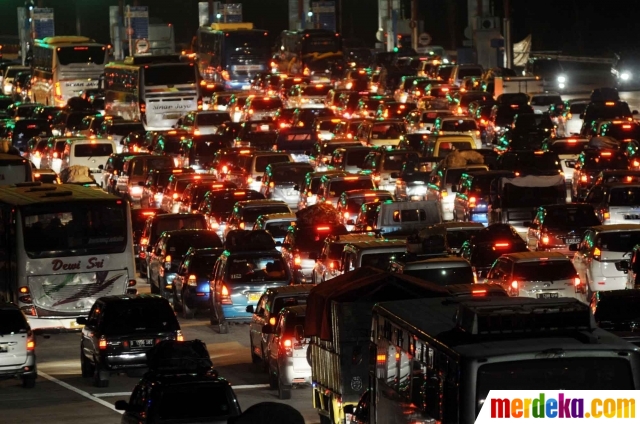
(188, 231)
(364, 192)
(259, 202)
(616, 227)
(282, 216)
(460, 225)
(175, 215)
(449, 261)
(206, 251)
(378, 244)
(566, 206)
(132, 298)
(288, 290)
(536, 256)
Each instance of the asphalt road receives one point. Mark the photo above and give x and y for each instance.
(63, 396)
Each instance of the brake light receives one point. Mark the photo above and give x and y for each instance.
(296, 260)
(576, 281)
(597, 254)
(167, 258)
(610, 103)
(482, 292)
(606, 215)
(174, 196)
(545, 239)
(626, 127)
(179, 336)
(381, 358)
(472, 201)
(31, 343)
(636, 163)
(584, 178)
(143, 107)
(459, 110)
(249, 180)
(144, 241)
(225, 298)
(287, 345)
(501, 245)
(514, 285)
(102, 343)
(605, 153)
(346, 214)
(323, 228)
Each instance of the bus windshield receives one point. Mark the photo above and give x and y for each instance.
(321, 44)
(73, 229)
(81, 54)
(170, 74)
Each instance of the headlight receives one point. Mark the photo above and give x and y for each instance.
(562, 79)
(625, 76)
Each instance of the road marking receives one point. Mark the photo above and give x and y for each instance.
(78, 391)
(117, 394)
(249, 386)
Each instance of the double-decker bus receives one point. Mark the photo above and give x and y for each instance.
(156, 90)
(64, 66)
(310, 52)
(62, 246)
(232, 53)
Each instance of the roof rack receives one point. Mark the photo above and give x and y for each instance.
(526, 317)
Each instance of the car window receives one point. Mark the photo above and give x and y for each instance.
(132, 317)
(12, 321)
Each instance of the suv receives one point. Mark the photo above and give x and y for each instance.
(202, 121)
(539, 275)
(217, 206)
(556, 227)
(616, 202)
(589, 164)
(280, 181)
(472, 195)
(351, 201)
(568, 150)
(333, 185)
(481, 255)
(119, 332)
(249, 266)
(384, 166)
(191, 285)
(245, 213)
(172, 196)
(376, 253)
(598, 257)
(440, 187)
(287, 361)
(454, 125)
(441, 271)
(194, 193)
(254, 164)
(302, 246)
(309, 189)
(276, 224)
(17, 346)
(153, 188)
(329, 264)
(135, 171)
(266, 312)
(349, 158)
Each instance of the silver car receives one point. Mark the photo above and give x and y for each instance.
(17, 346)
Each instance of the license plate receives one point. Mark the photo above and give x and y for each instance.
(254, 297)
(572, 241)
(547, 295)
(142, 343)
(4, 348)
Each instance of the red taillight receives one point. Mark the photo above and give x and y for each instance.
(143, 107)
(584, 178)
(297, 260)
(545, 239)
(225, 298)
(472, 201)
(514, 285)
(102, 344)
(287, 345)
(501, 245)
(482, 292)
(576, 281)
(31, 343)
(174, 196)
(144, 241)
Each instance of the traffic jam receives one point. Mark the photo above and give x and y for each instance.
(395, 234)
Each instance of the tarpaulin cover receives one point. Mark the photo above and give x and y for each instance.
(318, 214)
(604, 142)
(76, 174)
(534, 181)
(361, 285)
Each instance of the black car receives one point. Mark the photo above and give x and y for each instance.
(181, 386)
(120, 330)
(481, 255)
(139, 219)
(617, 311)
(529, 162)
(191, 289)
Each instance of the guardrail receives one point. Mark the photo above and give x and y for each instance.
(568, 58)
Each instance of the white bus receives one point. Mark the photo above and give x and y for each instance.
(435, 360)
(62, 246)
(156, 90)
(64, 66)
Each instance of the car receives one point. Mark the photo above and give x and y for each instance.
(329, 262)
(481, 255)
(322, 152)
(17, 346)
(349, 158)
(280, 181)
(568, 150)
(249, 266)
(615, 311)
(261, 108)
(120, 330)
(527, 162)
(350, 202)
(200, 150)
(253, 165)
(439, 146)
(302, 247)
(266, 311)
(473, 195)
(195, 192)
(217, 206)
(112, 169)
(596, 258)
(440, 187)
(616, 202)
(309, 189)
(135, 171)
(540, 102)
(178, 182)
(539, 275)
(288, 365)
(333, 185)
(455, 125)
(570, 123)
(202, 122)
(376, 253)
(589, 164)
(384, 166)
(117, 129)
(191, 284)
(183, 389)
(381, 133)
(246, 212)
(139, 219)
(440, 270)
(276, 224)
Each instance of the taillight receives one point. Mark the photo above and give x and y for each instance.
(514, 285)
(287, 345)
(143, 107)
(31, 342)
(597, 254)
(472, 201)
(545, 239)
(584, 178)
(192, 281)
(346, 215)
(241, 225)
(102, 343)
(296, 260)
(605, 214)
(179, 336)
(576, 281)
(225, 298)
(174, 196)
(144, 241)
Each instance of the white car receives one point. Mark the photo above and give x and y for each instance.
(571, 122)
(568, 149)
(540, 102)
(539, 275)
(17, 346)
(597, 257)
(453, 125)
(203, 122)
(439, 188)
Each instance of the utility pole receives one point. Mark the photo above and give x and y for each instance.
(414, 24)
(508, 44)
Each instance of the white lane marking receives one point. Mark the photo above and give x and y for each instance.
(78, 391)
(116, 394)
(250, 386)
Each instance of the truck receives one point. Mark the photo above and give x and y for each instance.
(517, 85)
(338, 324)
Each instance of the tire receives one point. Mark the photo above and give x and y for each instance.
(100, 377)
(177, 305)
(88, 369)
(284, 392)
(224, 328)
(29, 382)
(187, 312)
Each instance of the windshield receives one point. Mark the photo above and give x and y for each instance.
(207, 146)
(92, 150)
(444, 72)
(613, 161)
(531, 197)
(293, 174)
(278, 229)
(82, 54)
(340, 186)
(170, 144)
(194, 401)
(545, 100)
(186, 222)
(253, 269)
(202, 266)
(356, 157)
(251, 214)
(443, 276)
(622, 131)
(460, 125)
(169, 74)
(213, 118)
(73, 229)
(544, 271)
(624, 196)
(179, 245)
(589, 373)
(394, 162)
(387, 131)
(321, 44)
(566, 218)
(312, 240)
(12, 321)
(263, 161)
(260, 104)
(469, 72)
(618, 241)
(128, 317)
(568, 148)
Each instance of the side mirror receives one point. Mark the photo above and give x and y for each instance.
(296, 187)
(573, 247)
(395, 175)
(101, 167)
(298, 331)
(122, 405)
(81, 320)
(249, 309)
(259, 178)
(454, 188)
(351, 222)
(268, 329)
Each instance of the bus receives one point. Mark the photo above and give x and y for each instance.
(435, 360)
(310, 52)
(63, 67)
(62, 246)
(232, 54)
(156, 90)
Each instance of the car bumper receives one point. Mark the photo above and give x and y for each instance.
(197, 300)
(608, 283)
(26, 369)
(123, 361)
(236, 313)
(57, 324)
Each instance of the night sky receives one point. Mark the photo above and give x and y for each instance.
(573, 26)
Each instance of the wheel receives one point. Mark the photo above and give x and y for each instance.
(224, 328)
(284, 392)
(177, 305)
(29, 382)
(187, 312)
(87, 367)
(100, 377)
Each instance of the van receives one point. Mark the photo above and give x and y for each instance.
(92, 153)
(9, 77)
(404, 218)
(376, 253)
(440, 146)
(135, 171)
